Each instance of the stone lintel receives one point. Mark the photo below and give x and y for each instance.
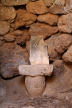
(36, 70)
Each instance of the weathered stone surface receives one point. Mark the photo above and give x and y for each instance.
(61, 81)
(4, 27)
(63, 42)
(65, 23)
(67, 57)
(1, 42)
(17, 33)
(24, 18)
(7, 104)
(48, 18)
(7, 13)
(53, 55)
(11, 56)
(2, 89)
(22, 38)
(9, 38)
(36, 70)
(12, 94)
(59, 2)
(14, 2)
(42, 29)
(37, 7)
(57, 44)
(57, 7)
(35, 85)
(48, 2)
(68, 6)
(58, 67)
(38, 51)
(17, 97)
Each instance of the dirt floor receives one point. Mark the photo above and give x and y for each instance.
(14, 95)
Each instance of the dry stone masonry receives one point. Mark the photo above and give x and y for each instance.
(14, 2)
(22, 19)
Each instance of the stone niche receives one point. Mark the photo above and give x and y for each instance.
(20, 20)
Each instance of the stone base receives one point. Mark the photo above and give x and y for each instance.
(35, 85)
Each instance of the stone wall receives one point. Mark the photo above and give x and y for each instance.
(21, 19)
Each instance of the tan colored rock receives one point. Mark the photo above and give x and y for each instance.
(48, 2)
(48, 18)
(37, 7)
(68, 6)
(17, 97)
(42, 29)
(57, 44)
(59, 2)
(53, 55)
(2, 89)
(65, 23)
(11, 56)
(20, 37)
(35, 85)
(4, 27)
(23, 38)
(14, 2)
(35, 79)
(24, 18)
(1, 37)
(17, 33)
(2, 42)
(63, 42)
(9, 38)
(67, 57)
(7, 13)
(54, 2)
(58, 67)
(57, 7)
(15, 93)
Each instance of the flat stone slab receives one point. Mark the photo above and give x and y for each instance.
(36, 70)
